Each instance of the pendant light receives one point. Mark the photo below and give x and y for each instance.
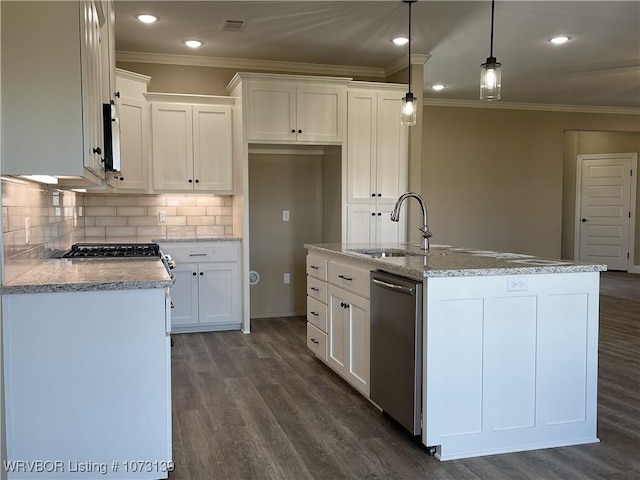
(408, 117)
(490, 74)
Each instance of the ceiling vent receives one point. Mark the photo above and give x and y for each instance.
(232, 25)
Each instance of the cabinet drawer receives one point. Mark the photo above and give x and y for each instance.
(317, 289)
(196, 253)
(317, 341)
(349, 278)
(317, 267)
(317, 313)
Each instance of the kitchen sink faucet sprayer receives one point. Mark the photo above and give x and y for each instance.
(395, 216)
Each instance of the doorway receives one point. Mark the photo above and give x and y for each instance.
(605, 209)
(292, 193)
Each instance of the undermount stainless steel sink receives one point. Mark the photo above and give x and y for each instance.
(385, 252)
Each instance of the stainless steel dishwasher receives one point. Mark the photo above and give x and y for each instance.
(396, 348)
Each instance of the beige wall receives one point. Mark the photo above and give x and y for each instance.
(493, 178)
(189, 79)
(584, 143)
(51, 213)
(277, 183)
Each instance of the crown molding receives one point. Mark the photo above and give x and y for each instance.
(247, 64)
(132, 75)
(189, 98)
(403, 62)
(441, 102)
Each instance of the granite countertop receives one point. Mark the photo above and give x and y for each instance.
(78, 275)
(221, 238)
(449, 261)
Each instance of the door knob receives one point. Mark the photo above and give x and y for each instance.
(584, 220)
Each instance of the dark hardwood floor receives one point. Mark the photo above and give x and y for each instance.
(260, 406)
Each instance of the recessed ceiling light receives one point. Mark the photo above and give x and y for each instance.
(560, 39)
(146, 18)
(438, 87)
(400, 41)
(193, 43)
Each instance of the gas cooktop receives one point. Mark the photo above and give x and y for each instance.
(112, 250)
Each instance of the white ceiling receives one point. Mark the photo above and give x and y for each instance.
(600, 66)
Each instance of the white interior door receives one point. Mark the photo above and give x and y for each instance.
(604, 195)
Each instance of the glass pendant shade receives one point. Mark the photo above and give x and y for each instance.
(490, 80)
(408, 117)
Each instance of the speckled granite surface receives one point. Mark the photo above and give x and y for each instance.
(447, 261)
(221, 238)
(62, 275)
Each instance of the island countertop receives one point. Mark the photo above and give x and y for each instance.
(450, 261)
(75, 275)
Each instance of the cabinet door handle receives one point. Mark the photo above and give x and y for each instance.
(314, 267)
(97, 150)
(314, 313)
(121, 178)
(584, 220)
(348, 279)
(315, 289)
(117, 94)
(314, 341)
(197, 254)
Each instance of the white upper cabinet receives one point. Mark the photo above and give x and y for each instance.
(192, 147)
(377, 145)
(288, 109)
(52, 88)
(133, 114)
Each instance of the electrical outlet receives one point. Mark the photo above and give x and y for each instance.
(287, 278)
(162, 217)
(516, 284)
(285, 215)
(27, 230)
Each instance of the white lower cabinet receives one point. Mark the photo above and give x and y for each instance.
(372, 224)
(348, 349)
(206, 292)
(338, 318)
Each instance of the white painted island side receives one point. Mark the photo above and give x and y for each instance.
(510, 346)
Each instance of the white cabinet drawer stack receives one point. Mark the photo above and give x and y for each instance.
(338, 317)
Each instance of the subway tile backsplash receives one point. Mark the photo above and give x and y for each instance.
(187, 216)
(55, 222)
(60, 218)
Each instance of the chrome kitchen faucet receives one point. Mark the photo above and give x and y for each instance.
(395, 216)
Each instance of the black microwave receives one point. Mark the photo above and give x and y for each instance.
(111, 137)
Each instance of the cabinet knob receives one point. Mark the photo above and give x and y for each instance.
(314, 340)
(121, 178)
(584, 220)
(201, 273)
(117, 94)
(373, 194)
(293, 130)
(315, 314)
(190, 181)
(197, 181)
(97, 150)
(194, 274)
(299, 131)
(379, 214)
(373, 214)
(379, 194)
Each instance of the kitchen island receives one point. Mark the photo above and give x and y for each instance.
(509, 343)
(87, 370)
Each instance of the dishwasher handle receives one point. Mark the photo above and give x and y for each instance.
(394, 287)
